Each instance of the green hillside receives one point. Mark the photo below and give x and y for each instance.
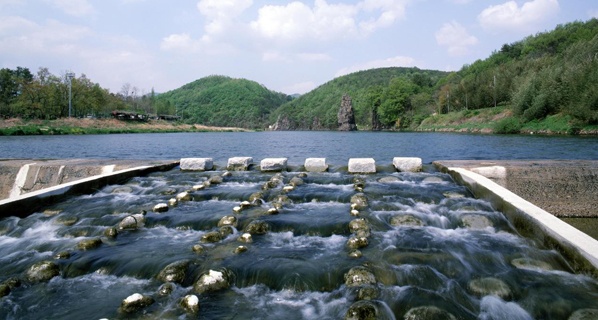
(384, 90)
(547, 74)
(223, 101)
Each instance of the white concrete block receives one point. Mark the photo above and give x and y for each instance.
(362, 165)
(316, 164)
(407, 164)
(239, 163)
(197, 164)
(273, 164)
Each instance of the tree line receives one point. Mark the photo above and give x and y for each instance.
(44, 95)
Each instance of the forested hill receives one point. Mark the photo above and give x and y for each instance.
(224, 101)
(392, 90)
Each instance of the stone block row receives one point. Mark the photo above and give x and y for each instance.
(356, 165)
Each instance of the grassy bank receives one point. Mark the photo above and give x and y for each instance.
(501, 120)
(11, 127)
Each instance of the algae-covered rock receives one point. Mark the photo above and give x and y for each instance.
(174, 272)
(211, 281)
(359, 276)
(89, 244)
(190, 303)
(489, 286)
(257, 227)
(135, 302)
(211, 237)
(42, 271)
(428, 313)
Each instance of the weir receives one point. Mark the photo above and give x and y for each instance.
(296, 241)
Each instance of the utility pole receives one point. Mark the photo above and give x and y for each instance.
(70, 76)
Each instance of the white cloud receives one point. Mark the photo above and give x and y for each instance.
(76, 8)
(300, 88)
(276, 56)
(314, 57)
(221, 13)
(297, 21)
(455, 37)
(509, 16)
(180, 41)
(398, 61)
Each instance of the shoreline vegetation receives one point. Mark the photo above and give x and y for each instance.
(499, 120)
(74, 126)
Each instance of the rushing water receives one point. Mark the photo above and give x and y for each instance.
(337, 147)
(428, 242)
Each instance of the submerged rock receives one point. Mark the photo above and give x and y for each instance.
(42, 271)
(489, 286)
(111, 233)
(211, 281)
(67, 220)
(475, 221)
(89, 244)
(257, 227)
(166, 289)
(211, 237)
(369, 310)
(406, 220)
(8, 285)
(359, 276)
(428, 313)
(531, 264)
(359, 201)
(135, 302)
(190, 303)
(228, 221)
(174, 272)
(584, 314)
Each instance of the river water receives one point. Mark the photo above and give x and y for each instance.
(394, 244)
(337, 147)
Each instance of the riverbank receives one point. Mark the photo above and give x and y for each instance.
(19, 127)
(502, 120)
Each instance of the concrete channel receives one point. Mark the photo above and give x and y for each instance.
(563, 188)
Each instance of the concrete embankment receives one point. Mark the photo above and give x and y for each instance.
(27, 185)
(488, 179)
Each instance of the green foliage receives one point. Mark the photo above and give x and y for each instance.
(223, 101)
(373, 94)
(508, 125)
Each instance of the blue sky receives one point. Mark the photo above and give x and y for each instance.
(288, 46)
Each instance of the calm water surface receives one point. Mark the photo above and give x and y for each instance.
(337, 147)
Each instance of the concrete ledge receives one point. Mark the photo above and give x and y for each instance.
(197, 164)
(362, 165)
(316, 165)
(273, 164)
(578, 248)
(239, 163)
(407, 164)
(28, 203)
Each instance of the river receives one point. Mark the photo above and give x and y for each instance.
(337, 147)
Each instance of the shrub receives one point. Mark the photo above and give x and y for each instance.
(508, 125)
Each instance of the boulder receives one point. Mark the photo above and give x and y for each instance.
(166, 289)
(257, 227)
(196, 164)
(132, 222)
(362, 165)
(357, 242)
(239, 163)
(407, 164)
(359, 225)
(42, 271)
(174, 272)
(246, 238)
(489, 286)
(406, 220)
(211, 237)
(184, 196)
(190, 303)
(216, 180)
(228, 221)
(160, 207)
(273, 164)
(211, 281)
(240, 249)
(89, 244)
(428, 313)
(135, 302)
(111, 232)
(359, 201)
(346, 116)
(316, 165)
(476, 221)
(359, 276)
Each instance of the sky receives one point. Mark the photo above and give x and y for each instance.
(287, 46)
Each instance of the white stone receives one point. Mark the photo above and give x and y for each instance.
(239, 163)
(161, 207)
(184, 196)
(407, 164)
(273, 164)
(133, 298)
(316, 164)
(197, 164)
(362, 165)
